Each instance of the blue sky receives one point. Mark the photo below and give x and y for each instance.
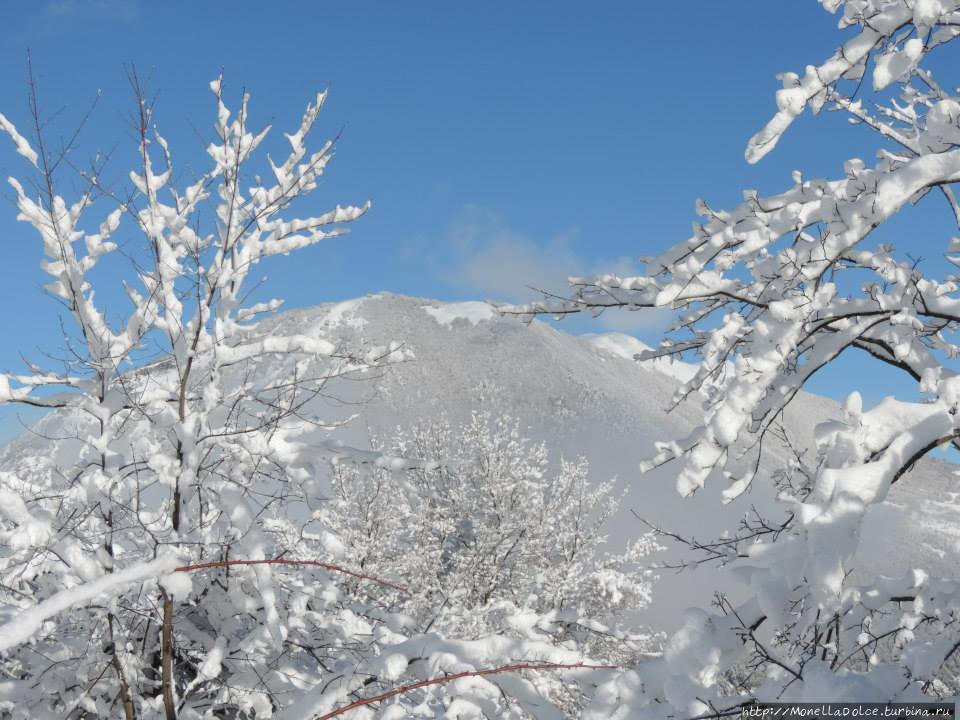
(502, 143)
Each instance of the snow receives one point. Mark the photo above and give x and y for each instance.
(178, 585)
(471, 312)
(29, 621)
(23, 145)
(29, 531)
(347, 312)
(894, 65)
(394, 665)
(629, 347)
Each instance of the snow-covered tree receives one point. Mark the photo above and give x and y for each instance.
(160, 557)
(491, 539)
(767, 294)
(181, 455)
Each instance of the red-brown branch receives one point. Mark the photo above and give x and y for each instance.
(514, 667)
(283, 561)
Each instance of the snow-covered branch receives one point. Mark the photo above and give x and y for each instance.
(768, 294)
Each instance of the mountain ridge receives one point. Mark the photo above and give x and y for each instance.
(582, 395)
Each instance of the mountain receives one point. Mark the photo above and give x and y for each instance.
(583, 395)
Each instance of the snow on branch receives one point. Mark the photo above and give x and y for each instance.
(194, 426)
(28, 622)
(23, 145)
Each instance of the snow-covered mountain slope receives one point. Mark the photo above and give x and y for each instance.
(584, 396)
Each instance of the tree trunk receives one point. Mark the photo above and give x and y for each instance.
(129, 711)
(166, 666)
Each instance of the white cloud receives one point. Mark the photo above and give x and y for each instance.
(493, 260)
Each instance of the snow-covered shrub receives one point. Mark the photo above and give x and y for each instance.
(767, 294)
(489, 538)
(177, 448)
